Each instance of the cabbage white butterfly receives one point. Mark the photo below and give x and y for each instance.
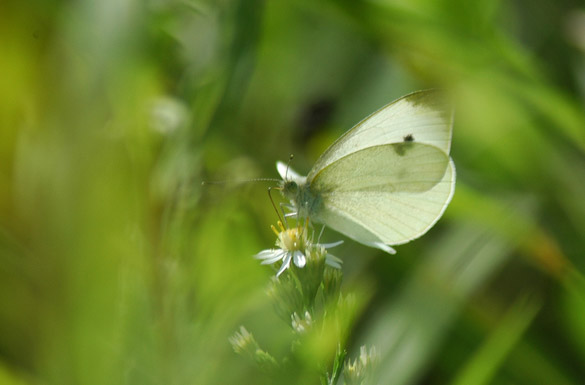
(387, 180)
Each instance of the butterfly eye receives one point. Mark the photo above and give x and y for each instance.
(290, 187)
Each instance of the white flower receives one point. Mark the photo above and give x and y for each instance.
(293, 245)
(362, 368)
(243, 341)
(301, 325)
(331, 259)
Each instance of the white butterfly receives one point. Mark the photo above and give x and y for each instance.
(387, 180)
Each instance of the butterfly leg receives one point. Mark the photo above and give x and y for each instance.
(286, 215)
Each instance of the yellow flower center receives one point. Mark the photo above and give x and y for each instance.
(291, 239)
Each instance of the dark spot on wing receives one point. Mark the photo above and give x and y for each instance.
(402, 148)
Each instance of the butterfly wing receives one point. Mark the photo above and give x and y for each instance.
(385, 195)
(423, 117)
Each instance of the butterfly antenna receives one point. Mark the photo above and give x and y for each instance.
(273, 205)
(237, 181)
(290, 158)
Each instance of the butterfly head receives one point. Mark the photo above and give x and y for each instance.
(290, 189)
(297, 189)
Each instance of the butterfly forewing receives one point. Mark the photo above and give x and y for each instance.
(422, 117)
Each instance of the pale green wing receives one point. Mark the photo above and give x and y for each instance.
(388, 194)
(424, 116)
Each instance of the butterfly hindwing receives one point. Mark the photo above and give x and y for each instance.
(386, 197)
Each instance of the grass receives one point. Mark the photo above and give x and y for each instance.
(117, 266)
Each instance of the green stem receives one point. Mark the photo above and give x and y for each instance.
(337, 365)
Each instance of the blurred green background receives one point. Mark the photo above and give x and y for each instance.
(118, 267)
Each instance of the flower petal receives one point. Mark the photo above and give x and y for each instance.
(276, 257)
(264, 254)
(299, 259)
(333, 244)
(333, 261)
(285, 264)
